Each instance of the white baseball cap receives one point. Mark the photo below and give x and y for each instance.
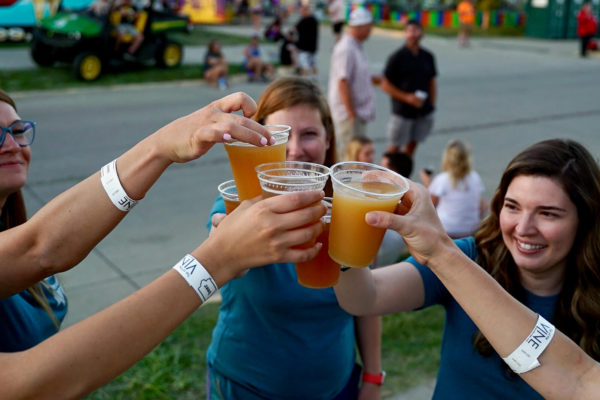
(360, 16)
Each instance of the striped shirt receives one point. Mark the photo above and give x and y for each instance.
(349, 61)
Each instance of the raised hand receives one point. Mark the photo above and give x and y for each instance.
(189, 137)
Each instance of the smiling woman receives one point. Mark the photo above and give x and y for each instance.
(33, 314)
(540, 243)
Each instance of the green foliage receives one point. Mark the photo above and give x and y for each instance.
(176, 369)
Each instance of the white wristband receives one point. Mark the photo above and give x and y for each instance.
(114, 189)
(525, 357)
(196, 276)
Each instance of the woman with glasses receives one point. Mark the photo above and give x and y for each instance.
(81, 358)
(34, 314)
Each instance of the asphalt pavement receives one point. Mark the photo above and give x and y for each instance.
(500, 95)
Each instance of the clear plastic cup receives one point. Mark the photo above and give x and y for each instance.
(321, 272)
(291, 176)
(230, 196)
(244, 157)
(357, 189)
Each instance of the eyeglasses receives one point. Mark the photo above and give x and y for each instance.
(22, 132)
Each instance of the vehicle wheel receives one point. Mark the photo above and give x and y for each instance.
(41, 54)
(87, 66)
(169, 55)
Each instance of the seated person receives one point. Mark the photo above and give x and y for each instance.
(215, 65)
(257, 69)
(129, 23)
(100, 8)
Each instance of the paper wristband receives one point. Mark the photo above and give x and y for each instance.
(525, 357)
(196, 276)
(114, 189)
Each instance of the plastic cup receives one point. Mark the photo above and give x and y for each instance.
(230, 196)
(244, 157)
(357, 189)
(291, 176)
(321, 272)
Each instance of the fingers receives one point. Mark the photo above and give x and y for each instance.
(237, 101)
(292, 201)
(301, 255)
(382, 219)
(216, 219)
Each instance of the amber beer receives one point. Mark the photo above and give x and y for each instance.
(229, 194)
(321, 272)
(244, 157)
(296, 176)
(352, 242)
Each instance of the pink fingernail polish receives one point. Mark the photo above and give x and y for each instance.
(226, 136)
(273, 140)
(263, 141)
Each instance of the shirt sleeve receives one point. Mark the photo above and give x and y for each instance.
(436, 187)
(435, 291)
(391, 68)
(217, 208)
(344, 66)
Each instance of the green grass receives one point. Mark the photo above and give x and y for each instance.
(61, 77)
(176, 369)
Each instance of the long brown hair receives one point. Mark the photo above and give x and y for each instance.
(14, 213)
(577, 312)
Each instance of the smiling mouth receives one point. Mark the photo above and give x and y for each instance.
(529, 246)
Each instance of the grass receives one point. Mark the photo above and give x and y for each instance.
(176, 369)
(61, 77)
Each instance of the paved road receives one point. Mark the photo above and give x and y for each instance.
(500, 95)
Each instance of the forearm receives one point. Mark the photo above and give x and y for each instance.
(355, 291)
(87, 355)
(505, 322)
(64, 231)
(433, 92)
(346, 97)
(368, 339)
(394, 92)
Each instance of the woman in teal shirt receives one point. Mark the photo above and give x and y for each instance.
(274, 338)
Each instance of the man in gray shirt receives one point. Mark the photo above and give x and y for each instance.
(350, 93)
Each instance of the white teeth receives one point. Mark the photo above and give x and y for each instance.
(527, 246)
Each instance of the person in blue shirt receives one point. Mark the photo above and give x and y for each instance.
(75, 361)
(34, 314)
(540, 243)
(274, 338)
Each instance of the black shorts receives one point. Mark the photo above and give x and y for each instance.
(337, 27)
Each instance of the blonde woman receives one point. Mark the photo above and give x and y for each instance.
(457, 191)
(360, 149)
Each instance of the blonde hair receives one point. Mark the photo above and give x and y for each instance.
(354, 146)
(456, 160)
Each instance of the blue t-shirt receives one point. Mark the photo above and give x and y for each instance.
(465, 374)
(279, 338)
(24, 323)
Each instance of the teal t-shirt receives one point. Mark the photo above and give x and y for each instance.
(280, 339)
(24, 323)
(464, 374)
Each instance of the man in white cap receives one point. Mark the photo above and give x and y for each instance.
(350, 93)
